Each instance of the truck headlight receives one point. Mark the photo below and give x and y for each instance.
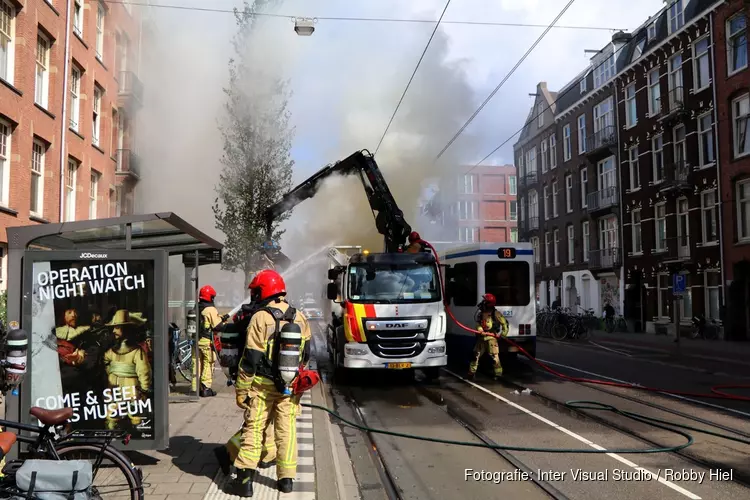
(353, 351)
(436, 350)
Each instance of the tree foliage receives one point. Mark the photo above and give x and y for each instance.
(257, 135)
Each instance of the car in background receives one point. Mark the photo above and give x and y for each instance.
(311, 310)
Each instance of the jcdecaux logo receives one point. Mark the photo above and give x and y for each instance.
(87, 255)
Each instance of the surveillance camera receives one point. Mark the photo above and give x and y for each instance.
(304, 27)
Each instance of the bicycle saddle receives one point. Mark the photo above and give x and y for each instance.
(7, 440)
(51, 417)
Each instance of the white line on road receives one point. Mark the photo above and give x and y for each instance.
(580, 438)
(610, 349)
(696, 401)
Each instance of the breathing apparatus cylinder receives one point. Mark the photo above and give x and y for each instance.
(229, 356)
(289, 355)
(16, 348)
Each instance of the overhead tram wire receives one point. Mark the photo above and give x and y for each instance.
(360, 19)
(534, 117)
(413, 74)
(502, 82)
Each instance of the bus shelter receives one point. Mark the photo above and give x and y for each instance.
(93, 297)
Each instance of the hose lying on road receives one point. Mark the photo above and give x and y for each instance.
(716, 391)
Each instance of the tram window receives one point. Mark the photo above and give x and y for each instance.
(464, 277)
(508, 282)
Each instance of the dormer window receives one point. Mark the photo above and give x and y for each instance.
(638, 52)
(676, 15)
(652, 31)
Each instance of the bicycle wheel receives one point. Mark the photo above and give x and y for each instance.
(609, 325)
(559, 331)
(184, 360)
(116, 476)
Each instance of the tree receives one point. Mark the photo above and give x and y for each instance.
(257, 167)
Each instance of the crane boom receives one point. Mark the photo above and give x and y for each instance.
(389, 219)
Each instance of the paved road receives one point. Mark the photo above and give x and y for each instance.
(422, 470)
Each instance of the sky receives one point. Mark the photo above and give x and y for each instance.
(346, 80)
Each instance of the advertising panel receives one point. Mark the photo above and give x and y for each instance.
(93, 342)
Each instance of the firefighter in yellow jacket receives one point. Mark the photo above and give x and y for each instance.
(263, 382)
(209, 319)
(491, 321)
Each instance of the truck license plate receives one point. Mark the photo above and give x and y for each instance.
(398, 366)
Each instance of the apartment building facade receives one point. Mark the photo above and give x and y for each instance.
(69, 93)
(669, 167)
(732, 88)
(479, 204)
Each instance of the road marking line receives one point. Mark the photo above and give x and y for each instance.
(609, 349)
(696, 401)
(578, 437)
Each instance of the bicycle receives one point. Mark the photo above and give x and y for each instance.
(52, 442)
(705, 329)
(180, 355)
(615, 325)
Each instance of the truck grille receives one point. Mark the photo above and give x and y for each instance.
(397, 343)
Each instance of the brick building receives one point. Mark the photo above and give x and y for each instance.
(70, 81)
(732, 87)
(478, 205)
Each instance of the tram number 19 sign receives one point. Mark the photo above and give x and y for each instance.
(506, 253)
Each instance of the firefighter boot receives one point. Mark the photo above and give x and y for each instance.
(225, 461)
(243, 485)
(286, 485)
(207, 392)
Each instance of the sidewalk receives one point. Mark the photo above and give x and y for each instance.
(188, 469)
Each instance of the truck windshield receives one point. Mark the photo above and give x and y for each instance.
(393, 284)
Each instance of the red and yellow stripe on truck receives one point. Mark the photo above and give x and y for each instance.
(353, 315)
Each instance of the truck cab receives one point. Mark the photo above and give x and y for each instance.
(390, 313)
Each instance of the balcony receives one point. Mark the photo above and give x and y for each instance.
(532, 223)
(675, 176)
(675, 103)
(129, 91)
(529, 178)
(127, 164)
(675, 249)
(602, 140)
(601, 200)
(605, 258)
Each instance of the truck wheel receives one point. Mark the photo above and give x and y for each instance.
(432, 373)
(339, 371)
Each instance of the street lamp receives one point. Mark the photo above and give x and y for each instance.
(304, 26)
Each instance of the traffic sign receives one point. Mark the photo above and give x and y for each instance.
(679, 284)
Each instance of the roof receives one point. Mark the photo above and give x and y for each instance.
(156, 231)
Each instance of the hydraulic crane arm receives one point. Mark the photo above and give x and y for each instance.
(389, 219)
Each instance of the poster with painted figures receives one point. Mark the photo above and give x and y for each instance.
(92, 342)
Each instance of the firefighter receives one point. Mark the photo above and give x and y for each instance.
(415, 243)
(209, 319)
(491, 321)
(260, 383)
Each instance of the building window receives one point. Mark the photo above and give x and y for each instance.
(584, 186)
(676, 16)
(37, 178)
(567, 145)
(78, 18)
(737, 43)
(686, 303)
(701, 64)
(556, 234)
(545, 157)
(664, 298)
(740, 115)
(468, 184)
(581, 134)
(635, 174)
(675, 82)
(540, 114)
(552, 152)
(75, 103)
(709, 216)
(547, 249)
(533, 206)
(547, 204)
(743, 210)
(638, 51)
(535, 246)
(71, 176)
(468, 234)
(706, 141)
(100, 32)
(7, 47)
(5, 138)
(680, 148)
(41, 90)
(631, 111)
(522, 207)
(514, 235)
(608, 235)
(93, 193)
(513, 210)
(571, 245)
(586, 240)
(568, 193)
(603, 116)
(468, 210)
(635, 229)
(654, 93)
(531, 161)
(96, 119)
(657, 154)
(555, 194)
(582, 84)
(512, 186)
(607, 178)
(660, 225)
(712, 284)
(604, 70)
(651, 31)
